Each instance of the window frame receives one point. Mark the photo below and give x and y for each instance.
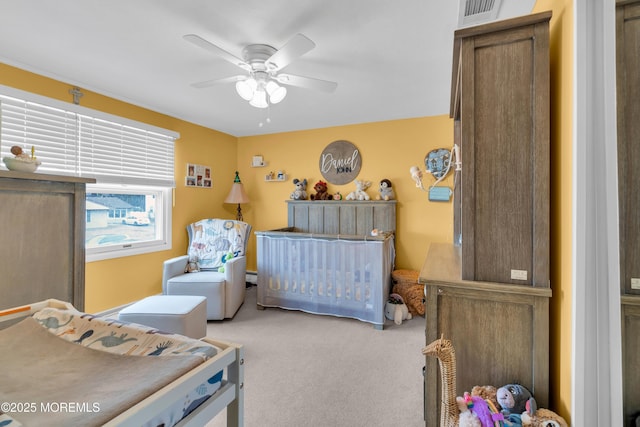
(163, 207)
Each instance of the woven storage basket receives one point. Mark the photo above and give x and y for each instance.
(404, 276)
(405, 283)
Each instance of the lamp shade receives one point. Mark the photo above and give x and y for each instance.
(259, 99)
(237, 193)
(276, 92)
(246, 88)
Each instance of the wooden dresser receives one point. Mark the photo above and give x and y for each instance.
(42, 224)
(488, 291)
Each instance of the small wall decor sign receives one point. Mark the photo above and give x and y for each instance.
(198, 176)
(340, 162)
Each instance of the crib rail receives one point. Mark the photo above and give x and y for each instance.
(348, 276)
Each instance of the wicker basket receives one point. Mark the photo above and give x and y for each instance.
(404, 276)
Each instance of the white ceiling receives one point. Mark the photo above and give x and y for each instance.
(391, 59)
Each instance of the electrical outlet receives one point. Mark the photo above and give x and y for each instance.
(518, 274)
(635, 283)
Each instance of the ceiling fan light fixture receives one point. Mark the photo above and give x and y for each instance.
(276, 92)
(246, 88)
(259, 99)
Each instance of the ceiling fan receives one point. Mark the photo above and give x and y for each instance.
(262, 65)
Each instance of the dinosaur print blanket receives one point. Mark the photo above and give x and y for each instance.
(114, 336)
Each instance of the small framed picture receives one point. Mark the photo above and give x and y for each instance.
(198, 176)
(257, 161)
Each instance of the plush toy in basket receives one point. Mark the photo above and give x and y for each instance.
(510, 405)
(395, 309)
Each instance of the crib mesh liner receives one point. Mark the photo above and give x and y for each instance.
(115, 336)
(326, 275)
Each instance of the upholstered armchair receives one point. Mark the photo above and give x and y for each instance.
(217, 264)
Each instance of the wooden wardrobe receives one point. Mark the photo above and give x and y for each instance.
(628, 93)
(488, 291)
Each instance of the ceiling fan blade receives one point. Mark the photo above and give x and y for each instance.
(297, 46)
(199, 41)
(307, 82)
(209, 83)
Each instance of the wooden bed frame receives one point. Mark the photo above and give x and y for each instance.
(229, 396)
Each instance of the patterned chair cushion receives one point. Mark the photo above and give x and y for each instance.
(211, 239)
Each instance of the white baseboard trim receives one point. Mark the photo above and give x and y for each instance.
(252, 277)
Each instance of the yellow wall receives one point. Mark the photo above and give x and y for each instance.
(388, 150)
(561, 51)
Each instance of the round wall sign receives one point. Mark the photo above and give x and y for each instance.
(340, 162)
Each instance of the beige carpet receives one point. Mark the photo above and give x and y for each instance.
(310, 370)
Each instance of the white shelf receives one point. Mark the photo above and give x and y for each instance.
(276, 179)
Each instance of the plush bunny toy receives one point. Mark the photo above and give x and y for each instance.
(396, 309)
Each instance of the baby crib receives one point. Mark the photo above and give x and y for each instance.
(347, 275)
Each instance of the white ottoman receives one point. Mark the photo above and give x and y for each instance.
(177, 314)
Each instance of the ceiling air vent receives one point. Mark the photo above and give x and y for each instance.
(478, 11)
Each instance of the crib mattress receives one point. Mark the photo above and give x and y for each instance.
(112, 369)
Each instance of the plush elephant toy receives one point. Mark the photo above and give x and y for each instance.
(396, 309)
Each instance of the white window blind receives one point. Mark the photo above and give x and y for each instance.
(52, 131)
(120, 154)
(74, 140)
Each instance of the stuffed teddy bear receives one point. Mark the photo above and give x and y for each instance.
(386, 190)
(543, 418)
(192, 265)
(361, 191)
(321, 192)
(396, 309)
(300, 192)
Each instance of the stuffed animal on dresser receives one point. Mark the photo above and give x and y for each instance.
(321, 192)
(386, 190)
(361, 191)
(300, 191)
